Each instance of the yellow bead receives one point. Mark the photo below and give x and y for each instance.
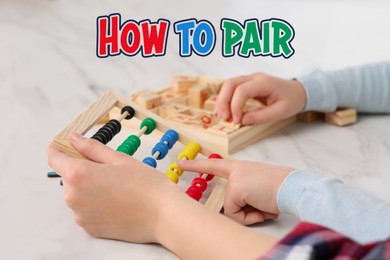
(172, 176)
(190, 151)
(175, 168)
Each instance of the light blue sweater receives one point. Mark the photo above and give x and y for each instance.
(325, 200)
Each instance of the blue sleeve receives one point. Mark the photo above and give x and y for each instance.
(329, 202)
(366, 88)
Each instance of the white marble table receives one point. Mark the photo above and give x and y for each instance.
(49, 72)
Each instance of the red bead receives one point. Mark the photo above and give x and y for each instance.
(215, 156)
(195, 192)
(200, 182)
(208, 178)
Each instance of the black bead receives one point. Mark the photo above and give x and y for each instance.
(113, 128)
(98, 137)
(116, 124)
(107, 133)
(130, 110)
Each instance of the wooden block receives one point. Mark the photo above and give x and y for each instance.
(200, 119)
(341, 117)
(180, 118)
(148, 100)
(205, 119)
(210, 103)
(220, 129)
(308, 116)
(197, 95)
(181, 84)
(230, 124)
(169, 110)
(168, 95)
(213, 84)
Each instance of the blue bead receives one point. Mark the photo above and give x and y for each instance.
(162, 148)
(150, 161)
(170, 137)
(52, 175)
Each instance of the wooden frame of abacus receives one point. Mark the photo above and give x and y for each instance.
(99, 109)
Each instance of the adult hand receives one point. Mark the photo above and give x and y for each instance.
(107, 191)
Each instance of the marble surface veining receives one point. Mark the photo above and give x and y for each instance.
(49, 73)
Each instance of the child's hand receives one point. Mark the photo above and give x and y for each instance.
(251, 190)
(107, 192)
(282, 98)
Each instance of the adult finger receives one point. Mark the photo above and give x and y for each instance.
(220, 167)
(225, 95)
(59, 161)
(94, 150)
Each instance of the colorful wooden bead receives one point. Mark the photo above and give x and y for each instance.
(162, 148)
(215, 156)
(130, 145)
(172, 176)
(175, 168)
(190, 151)
(150, 125)
(170, 137)
(200, 182)
(150, 161)
(208, 178)
(107, 132)
(129, 110)
(195, 192)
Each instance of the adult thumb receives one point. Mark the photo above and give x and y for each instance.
(93, 149)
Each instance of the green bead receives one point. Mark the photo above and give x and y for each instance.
(149, 123)
(122, 149)
(134, 140)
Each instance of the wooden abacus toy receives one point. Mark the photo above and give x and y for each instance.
(110, 102)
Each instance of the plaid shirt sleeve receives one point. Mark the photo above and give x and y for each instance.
(311, 241)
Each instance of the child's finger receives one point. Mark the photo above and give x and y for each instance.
(264, 115)
(219, 168)
(242, 93)
(94, 150)
(225, 95)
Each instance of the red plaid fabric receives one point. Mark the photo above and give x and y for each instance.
(311, 241)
